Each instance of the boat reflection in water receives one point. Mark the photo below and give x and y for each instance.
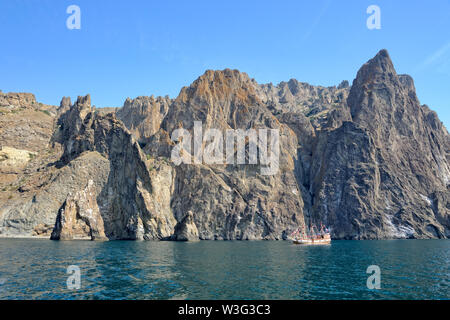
(312, 236)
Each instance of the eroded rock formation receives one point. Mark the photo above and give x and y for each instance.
(79, 217)
(368, 160)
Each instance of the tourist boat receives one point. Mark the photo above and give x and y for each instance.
(304, 236)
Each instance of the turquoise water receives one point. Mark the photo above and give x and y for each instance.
(410, 269)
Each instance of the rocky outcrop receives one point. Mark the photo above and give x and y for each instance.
(79, 217)
(374, 177)
(368, 160)
(33, 208)
(137, 191)
(314, 102)
(24, 123)
(186, 230)
(17, 99)
(143, 115)
(234, 201)
(64, 105)
(25, 130)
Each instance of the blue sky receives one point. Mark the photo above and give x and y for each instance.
(131, 48)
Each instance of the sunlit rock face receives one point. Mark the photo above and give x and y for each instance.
(143, 115)
(79, 217)
(366, 159)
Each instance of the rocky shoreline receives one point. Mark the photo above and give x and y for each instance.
(367, 160)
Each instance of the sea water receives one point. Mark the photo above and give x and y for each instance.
(38, 269)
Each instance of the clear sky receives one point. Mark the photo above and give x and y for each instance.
(131, 48)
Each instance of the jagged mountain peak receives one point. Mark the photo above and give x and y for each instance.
(378, 69)
(226, 76)
(378, 91)
(65, 102)
(84, 100)
(143, 115)
(382, 59)
(383, 53)
(216, 85)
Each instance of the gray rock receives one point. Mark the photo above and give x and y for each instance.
(186, 230)
(367, 160)
(79, 217)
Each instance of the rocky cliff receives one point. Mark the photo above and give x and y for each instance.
(368, 160)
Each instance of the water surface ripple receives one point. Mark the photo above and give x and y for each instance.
(410, 269)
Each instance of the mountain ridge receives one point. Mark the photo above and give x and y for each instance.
(366, 159)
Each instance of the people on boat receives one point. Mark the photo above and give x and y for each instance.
(312, 234)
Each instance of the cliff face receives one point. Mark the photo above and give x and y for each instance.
(143, 115)
(232, 201)
(79, 217)
(378, 175)
(368, 161)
